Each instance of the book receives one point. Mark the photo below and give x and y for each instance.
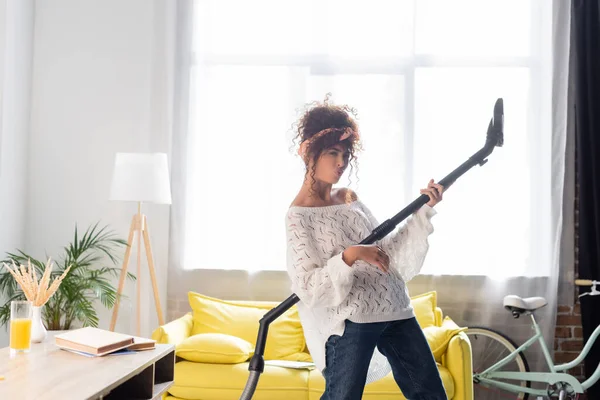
(140, 343)
(120, 352)
(93, 341)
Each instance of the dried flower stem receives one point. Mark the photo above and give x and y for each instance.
(38, 292)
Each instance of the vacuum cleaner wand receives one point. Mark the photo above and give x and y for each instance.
(494, 138)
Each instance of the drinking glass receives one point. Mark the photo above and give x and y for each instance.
(20, 326)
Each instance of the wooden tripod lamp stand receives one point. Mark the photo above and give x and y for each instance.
(140, 178)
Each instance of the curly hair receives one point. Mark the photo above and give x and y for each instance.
(319, 116)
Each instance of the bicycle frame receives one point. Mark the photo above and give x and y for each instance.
(554, 376)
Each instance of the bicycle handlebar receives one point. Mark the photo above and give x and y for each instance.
(585, 282)
(588, 282)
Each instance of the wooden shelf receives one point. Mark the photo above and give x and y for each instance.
(149, 384)
(160, 389)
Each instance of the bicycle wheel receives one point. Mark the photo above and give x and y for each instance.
(489, 347)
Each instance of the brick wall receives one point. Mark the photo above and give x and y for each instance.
(568, 341)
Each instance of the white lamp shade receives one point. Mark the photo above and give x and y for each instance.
(141, 177)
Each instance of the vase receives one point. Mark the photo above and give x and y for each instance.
(38, 330)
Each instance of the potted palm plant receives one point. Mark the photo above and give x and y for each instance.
(87, 280)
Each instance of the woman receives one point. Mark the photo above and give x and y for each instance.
(355, 307)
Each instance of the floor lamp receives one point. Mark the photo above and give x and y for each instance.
(140, 178)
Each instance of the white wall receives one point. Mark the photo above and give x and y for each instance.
(97, 89)
(16, 43)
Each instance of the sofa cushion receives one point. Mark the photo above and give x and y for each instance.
(424, 306)
(438, 337)
(216, 348)
(383, 388)
(226, 381)
(211, 315)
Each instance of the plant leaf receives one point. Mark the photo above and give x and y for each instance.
(86, 281)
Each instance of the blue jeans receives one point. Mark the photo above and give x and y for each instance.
(401, 342)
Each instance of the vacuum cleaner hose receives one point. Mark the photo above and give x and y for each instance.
(250, 385)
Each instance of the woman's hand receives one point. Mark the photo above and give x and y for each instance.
(434, 191)
(370, 253)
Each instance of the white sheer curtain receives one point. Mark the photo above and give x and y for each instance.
(424, 76)
(477, 300)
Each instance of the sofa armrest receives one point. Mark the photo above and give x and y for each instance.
(175, 331)
(458, 359)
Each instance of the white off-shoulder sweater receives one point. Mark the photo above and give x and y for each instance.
(330, 291)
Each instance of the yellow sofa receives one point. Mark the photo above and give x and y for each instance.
(215, 341)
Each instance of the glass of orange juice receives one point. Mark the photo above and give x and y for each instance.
(20, 326)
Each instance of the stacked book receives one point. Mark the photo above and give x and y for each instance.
(94, 342)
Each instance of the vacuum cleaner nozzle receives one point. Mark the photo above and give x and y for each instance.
(495, 133)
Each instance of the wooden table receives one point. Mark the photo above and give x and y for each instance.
(47, 372)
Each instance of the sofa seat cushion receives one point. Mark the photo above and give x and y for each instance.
(383, 388)
(227, 381)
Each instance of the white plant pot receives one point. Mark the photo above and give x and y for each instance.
(38, 330)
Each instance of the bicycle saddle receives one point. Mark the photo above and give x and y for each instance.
(518, 305)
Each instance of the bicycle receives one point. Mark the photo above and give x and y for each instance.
(514, 367)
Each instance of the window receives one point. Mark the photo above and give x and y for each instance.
(423, 75)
